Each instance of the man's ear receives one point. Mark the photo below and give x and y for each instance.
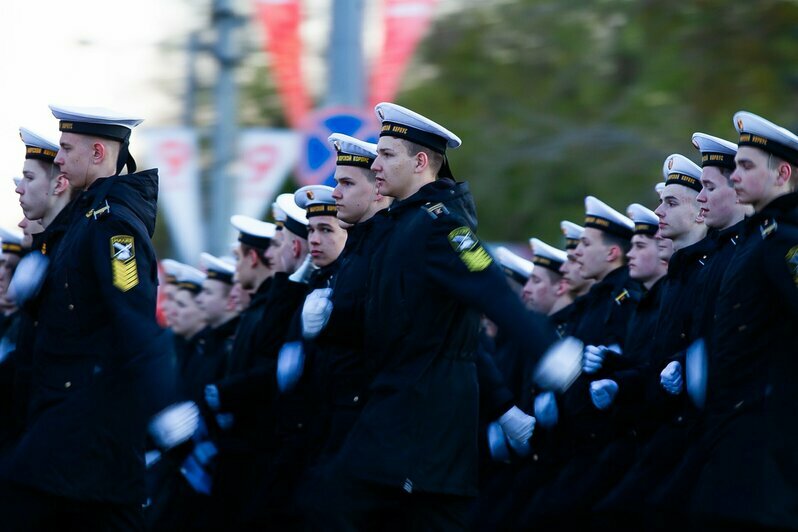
(60, 185)
(252, 257)
(422, 162)
(98, 152)
(614, 253)
(785, 173)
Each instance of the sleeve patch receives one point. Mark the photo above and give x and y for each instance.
(123, 262)
(471, 252)
(792, 263)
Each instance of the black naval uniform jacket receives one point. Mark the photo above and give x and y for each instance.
(19, 365)
(101, 363)
(342, 370)
(751, 435)
(428, 284)
(601, 317)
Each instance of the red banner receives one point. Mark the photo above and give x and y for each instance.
(280, 22)
(406, 22)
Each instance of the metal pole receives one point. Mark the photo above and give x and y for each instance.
(226, 127)
(346, 78)
(191, 79)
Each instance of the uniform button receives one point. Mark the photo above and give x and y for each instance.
(71, 306)
(679, 419)
(67, 384)
(66, 285)
(356, 399)
(36, 323)
(682, 336)
(299, 425)
(741, 328)
(592, 435)
(738, 305)
(535, 457)
(738, 405)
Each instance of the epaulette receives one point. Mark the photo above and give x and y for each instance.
(99, 213)
(768, 227)
(435, 209)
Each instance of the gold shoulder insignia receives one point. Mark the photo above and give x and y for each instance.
(44, 248)
(436, 209)
(471, 252)
(792, 263)
(623, 296)
(768, 227)
(123, 262)
(97, 213)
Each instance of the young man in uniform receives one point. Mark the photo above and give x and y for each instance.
(100, 360)
(749, 477)
(412, 453)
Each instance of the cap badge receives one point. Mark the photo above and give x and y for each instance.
(740, 123)
(670, 163)
(309, 194)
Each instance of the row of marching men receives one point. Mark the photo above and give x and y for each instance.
(662, 406)
(677, 412)
(335, 375)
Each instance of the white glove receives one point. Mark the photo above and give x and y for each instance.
(593, 358)
(546, 409)
(290, 363)
(225, 420)
(175, 424)
(695, 372)
(205, 451)
(517, 424)
(497, 443)
(212, 397)
(302, 274)
(671, 378)
(316, 312)
(520, 448)
(560, 365)
(603, 393)
(28, 277)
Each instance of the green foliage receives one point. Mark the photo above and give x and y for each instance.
(555, 100)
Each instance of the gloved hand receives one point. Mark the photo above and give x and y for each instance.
(593, 358)
(603, 393)
(205, 451)
(671, 378)
(517, 424)
(212, 397)
(546, 411)
(316, 312)
(290, 363)
(560, 365)
(224, 420)
(174, 424)
(28, 277)
(520, 448)
(302, 274)
(497, 443)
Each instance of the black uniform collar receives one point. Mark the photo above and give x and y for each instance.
(442, 189)
(783, 207)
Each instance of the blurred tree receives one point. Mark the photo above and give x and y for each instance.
(556, 100)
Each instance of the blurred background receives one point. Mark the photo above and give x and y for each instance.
(554, 100)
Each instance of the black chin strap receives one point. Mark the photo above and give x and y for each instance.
(125, 159)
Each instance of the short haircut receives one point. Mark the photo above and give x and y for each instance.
(773, 164)
(261, 254)
(435, 158)
(614, 240)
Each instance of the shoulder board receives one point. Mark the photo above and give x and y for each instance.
(99, 212)
(435, 209)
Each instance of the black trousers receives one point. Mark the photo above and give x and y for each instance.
(27, 509)
(343, 504)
